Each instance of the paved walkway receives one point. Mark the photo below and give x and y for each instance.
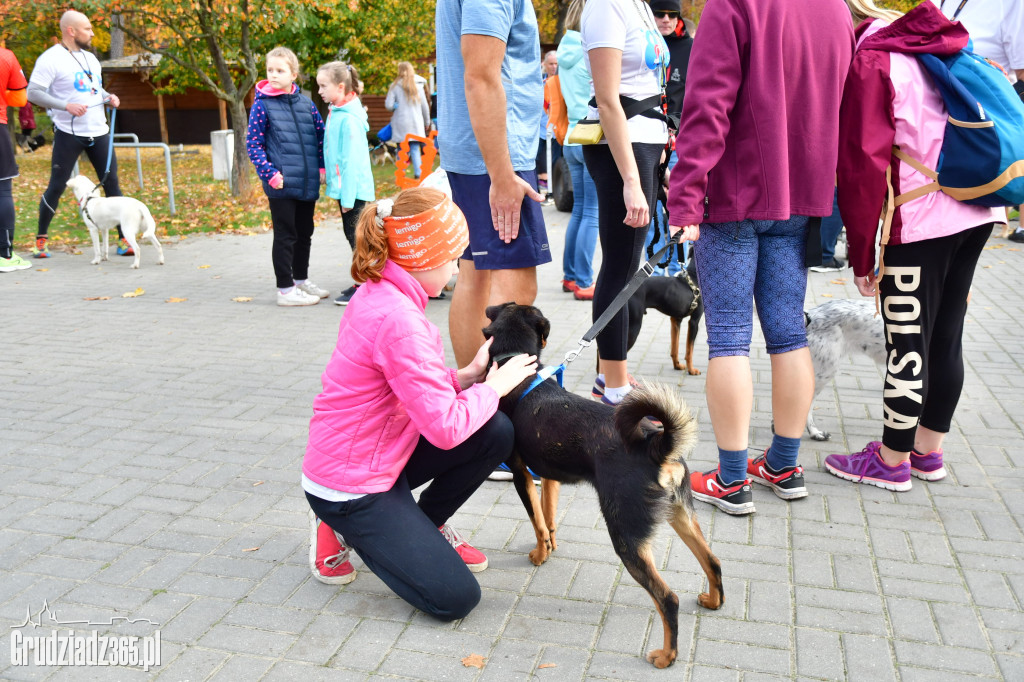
(149, 461)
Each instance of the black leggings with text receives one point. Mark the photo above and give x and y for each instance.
(923, 292)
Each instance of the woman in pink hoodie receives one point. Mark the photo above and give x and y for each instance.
(930, 244)
(392, 417)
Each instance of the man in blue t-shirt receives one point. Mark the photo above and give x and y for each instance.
(489, 110)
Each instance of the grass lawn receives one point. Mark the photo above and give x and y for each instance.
(202, 204)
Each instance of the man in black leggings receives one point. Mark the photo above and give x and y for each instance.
(67, 81)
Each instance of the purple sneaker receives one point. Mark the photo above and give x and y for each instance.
(927, 467)
(867, 466)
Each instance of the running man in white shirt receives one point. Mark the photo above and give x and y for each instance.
(67, 81)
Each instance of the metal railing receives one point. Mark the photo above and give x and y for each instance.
(167, 162)
(138, 153)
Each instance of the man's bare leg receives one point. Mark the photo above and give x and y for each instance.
(477, 289)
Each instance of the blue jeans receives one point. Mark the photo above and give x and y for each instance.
(761, 260)
(831, 226)
(581, 235)
(672, 266)
(415, 150)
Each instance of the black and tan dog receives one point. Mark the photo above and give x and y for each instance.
(678, 297)
(638, 470)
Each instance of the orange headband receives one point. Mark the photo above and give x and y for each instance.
(426, 241)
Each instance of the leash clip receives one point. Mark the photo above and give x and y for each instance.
(575, 353)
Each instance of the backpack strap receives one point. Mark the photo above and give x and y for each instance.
(918, 192)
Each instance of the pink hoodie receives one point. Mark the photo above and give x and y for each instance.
(386, 385)
(889, 99)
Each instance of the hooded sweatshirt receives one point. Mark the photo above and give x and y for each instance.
(573, 78)
(349, 173)
(286, 135)
(890, 100)
(761, 112)
(679, 43)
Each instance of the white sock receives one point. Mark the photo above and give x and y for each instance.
(617, 394)
(286, 291)
(300, 282)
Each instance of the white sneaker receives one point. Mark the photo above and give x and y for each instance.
(313, 289)
(296, 297)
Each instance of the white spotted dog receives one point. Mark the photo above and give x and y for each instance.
(103, 214)
(837, 330)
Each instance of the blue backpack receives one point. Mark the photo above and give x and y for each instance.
(982, 157)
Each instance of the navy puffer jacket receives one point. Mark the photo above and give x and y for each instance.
(286, 135)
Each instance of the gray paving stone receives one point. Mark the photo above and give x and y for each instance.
(819, 654)
(867, 658)
(945, 658)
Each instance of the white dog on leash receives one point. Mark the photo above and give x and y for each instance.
(106, 213)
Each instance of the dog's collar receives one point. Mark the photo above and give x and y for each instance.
(504, 357)
(543, 375)
(84, 207)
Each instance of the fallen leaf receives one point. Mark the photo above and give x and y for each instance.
(203, 267)
(242, 299)
(133, 294)
(257, 483)
(216, 277)
(176, 300)
(987, 267)
(96, 298)
(474, 661)
(826, 295)
(250, 549)
(548, 665)
(837, 281)
(42, 269)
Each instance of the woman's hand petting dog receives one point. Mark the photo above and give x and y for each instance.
(503, 379)
(476, 371)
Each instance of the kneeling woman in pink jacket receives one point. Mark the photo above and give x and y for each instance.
(392, 417)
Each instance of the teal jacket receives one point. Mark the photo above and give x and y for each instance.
(573, 77)
(346, 154)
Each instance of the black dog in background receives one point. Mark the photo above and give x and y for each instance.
(638, 470)
(678, 297)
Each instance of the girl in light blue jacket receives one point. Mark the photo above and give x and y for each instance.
(346, 153)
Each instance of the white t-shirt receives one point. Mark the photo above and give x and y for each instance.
(73, 77)
(628, 25)
(996, 28)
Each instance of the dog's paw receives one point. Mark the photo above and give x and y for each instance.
(693, 372)
(539, 555)
(661, 658)
(95, 261)
(709, 602)
(135, 266)
(821, 436)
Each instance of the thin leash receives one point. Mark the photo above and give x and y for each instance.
(642, 273)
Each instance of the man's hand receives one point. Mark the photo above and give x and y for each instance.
(76, 108)
(506, 197)
(113, 100)
(691, 233)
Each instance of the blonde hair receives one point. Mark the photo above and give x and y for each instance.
(865, 9)
(341, 74)
(372, 240)
(573, 14)
(407, 79)
(287, 55)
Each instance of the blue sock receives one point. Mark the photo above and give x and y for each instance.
(783, 452)
(732, 466)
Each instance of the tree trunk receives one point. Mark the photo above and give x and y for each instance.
(240, 163)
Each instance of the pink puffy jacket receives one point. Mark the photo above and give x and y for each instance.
(889, 99)
(386, 385)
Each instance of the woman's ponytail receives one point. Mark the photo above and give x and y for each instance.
(371, 246)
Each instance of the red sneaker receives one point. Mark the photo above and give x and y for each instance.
(787, 483)
(586, 294)
(328, 555)
(568, 286)
(474, 558)
(734, 499)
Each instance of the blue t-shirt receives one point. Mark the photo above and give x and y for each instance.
(515, 23)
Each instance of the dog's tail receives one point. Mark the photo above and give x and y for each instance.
(654, 401)
(147, 220)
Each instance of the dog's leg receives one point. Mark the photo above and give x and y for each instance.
(673, 348)
(812, 429)
(130, 236)
(527, 491)
(641, 567)
(686, 525)
(691, 340)
(549, 490)
(96, 253)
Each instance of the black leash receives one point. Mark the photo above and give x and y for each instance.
(642, 273)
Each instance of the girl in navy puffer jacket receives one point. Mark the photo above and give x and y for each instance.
(285, 142)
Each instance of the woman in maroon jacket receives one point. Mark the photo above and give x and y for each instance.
(760, 129)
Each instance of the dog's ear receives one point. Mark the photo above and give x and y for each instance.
(541, 324)
(493, 311)
(807, 318)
